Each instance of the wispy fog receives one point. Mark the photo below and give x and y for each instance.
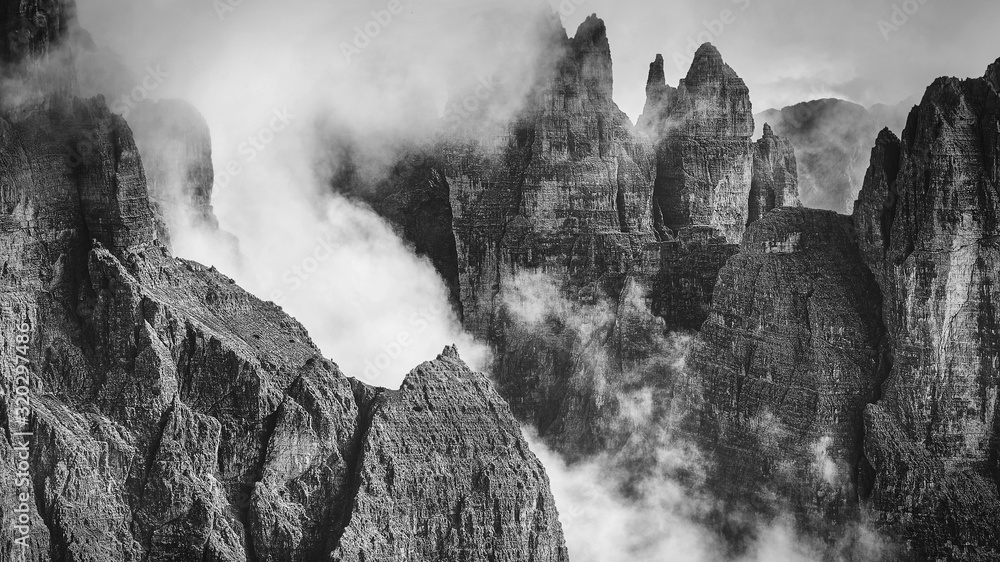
(275, 81)
(649, 497)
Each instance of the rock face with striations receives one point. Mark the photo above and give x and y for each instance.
(443, 409)
(177, 417)
(566, 186)
(929, 219)
(784, 367)
(704, 152)
(173, 416)
(775, 180)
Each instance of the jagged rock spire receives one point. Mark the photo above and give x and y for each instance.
(708, 118)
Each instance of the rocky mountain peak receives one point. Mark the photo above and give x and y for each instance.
(708, 67)
(708, 118)
(993, 75)
(928, 219)
(657, 78)
(768, 132)
(593, 31)
(450, 352)
(592, 52)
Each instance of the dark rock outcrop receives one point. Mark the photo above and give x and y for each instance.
(704, 153)
(784, 368)
(565, 187)
(443, 410)
(32, 28)
(775, 176)
(929, 223)
(173, 416)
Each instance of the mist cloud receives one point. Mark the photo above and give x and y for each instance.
(276, 82)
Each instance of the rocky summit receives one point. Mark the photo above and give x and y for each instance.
(704, 152)
(643, 289)
(842, 370)
(930, 231)
(568, 187)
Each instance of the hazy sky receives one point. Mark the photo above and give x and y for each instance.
(793, 50)
(867, 51)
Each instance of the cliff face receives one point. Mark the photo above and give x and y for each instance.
(775, 180)
(565, 187)
(704, 152)
(173, 416)
(444, 411)
(928, 219)
(784, 367)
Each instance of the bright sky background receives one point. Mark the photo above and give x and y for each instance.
(795, 50)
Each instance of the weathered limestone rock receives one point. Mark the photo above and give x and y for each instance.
(929, 222)
(442, 455)
(33, 27)
(177, 417)
(704, 151)
(775, 176)
(567, 175)
(784, 368)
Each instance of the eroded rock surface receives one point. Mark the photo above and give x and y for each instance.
(411, 509)
(775, 180)
(785, 366)
(929, 222)
(704, 152)
(176, 417)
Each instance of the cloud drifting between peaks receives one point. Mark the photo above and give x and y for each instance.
(275, 81)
